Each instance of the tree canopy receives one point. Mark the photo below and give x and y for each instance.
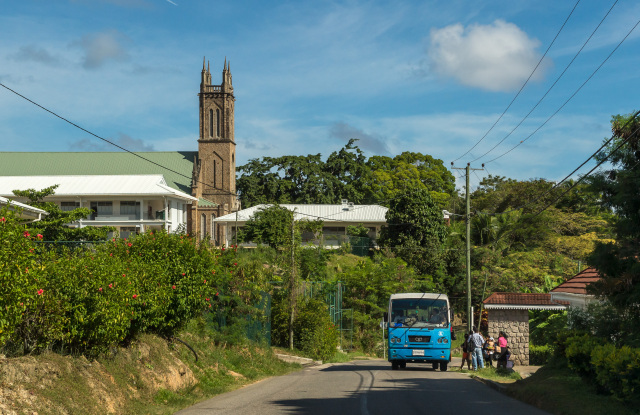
(345, 174)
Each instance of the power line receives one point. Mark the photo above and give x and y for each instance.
(633, 117)
(110, 142)
(523, 85)
(570, 98)
(589, 172)
(549, 90)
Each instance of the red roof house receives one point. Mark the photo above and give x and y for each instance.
(574, 290)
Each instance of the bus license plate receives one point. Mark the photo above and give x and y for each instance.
(418, 352)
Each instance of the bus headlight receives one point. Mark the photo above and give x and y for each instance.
(443, 340)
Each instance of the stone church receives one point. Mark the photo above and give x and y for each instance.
(139, 191)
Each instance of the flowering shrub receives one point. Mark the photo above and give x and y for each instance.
(87, 301)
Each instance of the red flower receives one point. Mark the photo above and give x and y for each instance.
(110, 285)
(123, 275)
(204, 282)
(111, 254)
(26, 234)
(135, 295)
(3, 219)
(40, 291)
(209, 305)
(206, 299)
(173, 286)
(213, 272)
(100, 289)
(216, 294)
(235, 264)
(183, 274)
(223, 248)
(129, 244)
(39, 236)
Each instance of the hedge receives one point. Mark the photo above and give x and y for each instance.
(614, 370)
(89, 300)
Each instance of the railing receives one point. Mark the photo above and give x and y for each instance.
(212, 88)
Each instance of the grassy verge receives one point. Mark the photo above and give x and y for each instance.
(491, 373)
(152, 376)
(558, 390)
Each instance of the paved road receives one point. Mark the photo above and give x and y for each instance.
(364, 388)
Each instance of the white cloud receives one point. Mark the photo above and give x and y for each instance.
(495, 57)
(100, 48)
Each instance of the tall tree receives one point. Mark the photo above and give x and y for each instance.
(415, 230)
(619, 262)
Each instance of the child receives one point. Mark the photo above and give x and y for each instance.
(489, 349)
(466, 355)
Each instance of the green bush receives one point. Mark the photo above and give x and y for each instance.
(89, 300)
(578, 353)
(617, 370)
(314, 333)
(540, 355)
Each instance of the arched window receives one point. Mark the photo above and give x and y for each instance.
(217, 123)
(213, 227)
(203, 226)
(210, 123)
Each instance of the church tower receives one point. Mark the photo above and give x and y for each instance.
(214, 169)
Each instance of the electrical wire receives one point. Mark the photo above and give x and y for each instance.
(523, 85)
(558, 184)
(569, 99)
(110, 142)
(549, 90)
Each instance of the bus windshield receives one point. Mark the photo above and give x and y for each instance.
(419, 312)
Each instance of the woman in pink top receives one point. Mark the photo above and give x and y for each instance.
(504, 350)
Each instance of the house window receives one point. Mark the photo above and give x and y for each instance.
(213, 227)
(129, 208)
(203, 226)
(217, 123)
(210, 123)
(69, 206)
(101, 209)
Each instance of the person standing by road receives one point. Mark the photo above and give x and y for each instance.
(466, 356)
(475, 346)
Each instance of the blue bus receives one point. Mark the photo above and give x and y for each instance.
(419, 329)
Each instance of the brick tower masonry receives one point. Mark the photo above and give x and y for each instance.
(214, 170)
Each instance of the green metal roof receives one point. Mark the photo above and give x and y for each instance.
(102, 163)
(206, 203)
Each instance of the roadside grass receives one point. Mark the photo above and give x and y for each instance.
(133, 380)
(557, 389)
(497, 375)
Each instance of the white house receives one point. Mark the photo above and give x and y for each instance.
(336, 219)
(130, 203)
(574, 290)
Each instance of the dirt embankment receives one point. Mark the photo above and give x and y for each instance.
(55, 384)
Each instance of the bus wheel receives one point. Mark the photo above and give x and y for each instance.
(443, 366)
(435, 366)
(394, 365)
(403, 365)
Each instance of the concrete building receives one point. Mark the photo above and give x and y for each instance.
(336, 219)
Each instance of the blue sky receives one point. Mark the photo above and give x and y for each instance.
(425, 76)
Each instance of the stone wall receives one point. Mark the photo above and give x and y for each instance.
(515, 323)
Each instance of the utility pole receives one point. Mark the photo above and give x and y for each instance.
(468, 226)
(292, 282)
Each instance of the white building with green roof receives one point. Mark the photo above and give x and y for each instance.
(139, 191)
